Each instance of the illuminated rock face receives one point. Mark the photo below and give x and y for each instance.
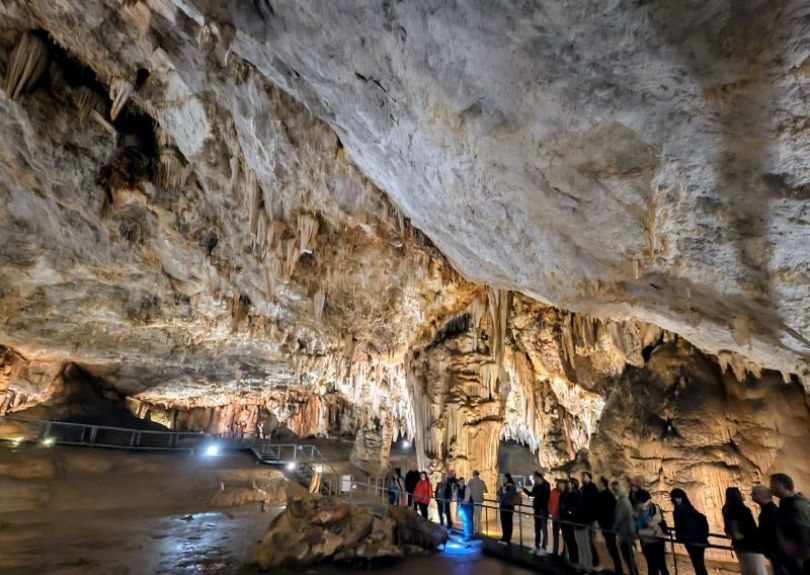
(190, 213)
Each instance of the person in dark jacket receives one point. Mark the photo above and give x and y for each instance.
(450, 487)
(793, 524)
(569, 501)
(692, 528)
(606, 516)
(742, 529)
(768, 528)
(540, 493)
(411, 479)
(506, 501)
(589, 505)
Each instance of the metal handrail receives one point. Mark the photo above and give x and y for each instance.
(487, 506)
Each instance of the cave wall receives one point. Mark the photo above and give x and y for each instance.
(623, 399)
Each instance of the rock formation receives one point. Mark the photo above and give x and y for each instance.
(579, 229)
(317, 529)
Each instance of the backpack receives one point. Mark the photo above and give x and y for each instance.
(645, 516)
(516, 499)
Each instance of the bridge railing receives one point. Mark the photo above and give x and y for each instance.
(523, 528)
(66, 433)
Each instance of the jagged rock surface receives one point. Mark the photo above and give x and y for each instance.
(318, 529)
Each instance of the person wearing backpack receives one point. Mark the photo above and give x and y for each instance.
(508, 499)
(650, 526)
(691, 528)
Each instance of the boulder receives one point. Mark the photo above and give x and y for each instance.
(314, 528)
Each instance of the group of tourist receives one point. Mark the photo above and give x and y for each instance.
(416, 490)
(625, 513)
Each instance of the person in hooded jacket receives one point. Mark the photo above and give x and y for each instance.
(691, 528)
(650, 527)
(742, 529)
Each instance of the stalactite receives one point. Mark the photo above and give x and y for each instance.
(88, 101)
(307, 233)
(171, 169)
(291, 256)
(318, 303)
(239, 308)
(28, 62)
(498, 306)
(739, 365)
(567, 335)
(120, 91)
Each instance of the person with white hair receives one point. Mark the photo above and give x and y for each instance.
(624, 526)
(476, 489)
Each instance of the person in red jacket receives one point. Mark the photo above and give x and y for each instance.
(554, 512)
(422, 494)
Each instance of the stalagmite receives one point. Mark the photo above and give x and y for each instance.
(27, 63)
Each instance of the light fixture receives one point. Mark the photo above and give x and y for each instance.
(406, 444)
(49, 442)
(318, 468)
(211, 450)
(17, 441)
(291, 466)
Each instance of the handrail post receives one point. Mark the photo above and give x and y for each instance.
(93, 432)
(520, 527)
(674, 557)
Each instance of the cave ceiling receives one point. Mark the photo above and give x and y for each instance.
(208, 199)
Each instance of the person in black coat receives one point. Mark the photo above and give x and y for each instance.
(569, 502)
(606, 516)
(768, 526)
(742, 529)
(589, 511)
(540, 493)
(692, 528)
(411, 479)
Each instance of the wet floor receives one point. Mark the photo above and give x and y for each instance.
(129, 543)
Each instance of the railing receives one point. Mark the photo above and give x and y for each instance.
(118, 437)
(286, 452)
(306, 460)
(490, 513)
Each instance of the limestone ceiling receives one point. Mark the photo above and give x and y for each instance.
(646, 160)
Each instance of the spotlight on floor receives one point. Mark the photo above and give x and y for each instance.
(291, 466)
(48, 442)
(211, 450)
